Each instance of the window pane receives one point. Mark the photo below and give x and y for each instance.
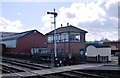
(64, 37)
(77, 37)
(71, 37)
(58, 37)
(50, 38)
(74, 37)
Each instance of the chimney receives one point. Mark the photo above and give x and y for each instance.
(67, 24)
(61, 25)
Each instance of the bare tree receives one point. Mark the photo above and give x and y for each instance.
(105, 40)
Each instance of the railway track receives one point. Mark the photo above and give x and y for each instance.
(15, 67)
(24, 65)
(6, 69)
(26, 62)
(70, 74)
(12, 66)
(26, 70)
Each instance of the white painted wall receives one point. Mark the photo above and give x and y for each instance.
(10, 43)
(93, 51)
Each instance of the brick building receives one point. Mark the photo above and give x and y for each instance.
(22, 43)
(115, 46)
(70, 41)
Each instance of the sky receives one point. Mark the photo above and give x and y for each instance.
(98, 17)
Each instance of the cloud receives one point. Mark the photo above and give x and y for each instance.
(48, 26)
(111, 2)
(112, 8)
(10, 26)
(19, 13)
(98, 18)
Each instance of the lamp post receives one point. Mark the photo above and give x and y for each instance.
(55, 15)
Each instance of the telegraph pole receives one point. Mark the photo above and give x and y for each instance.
(55, 53)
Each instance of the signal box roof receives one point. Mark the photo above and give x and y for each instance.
(66, 29)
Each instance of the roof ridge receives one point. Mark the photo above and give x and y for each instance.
(67, 28)
(29, 31)
(16, 33)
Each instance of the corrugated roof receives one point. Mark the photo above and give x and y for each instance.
(6, 33)
(67, 29)
(101, 46)
(112, 42)
(96, 44)
(15, 35)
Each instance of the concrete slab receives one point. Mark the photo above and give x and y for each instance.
(63, 69)
(106, 67)
(50, 71)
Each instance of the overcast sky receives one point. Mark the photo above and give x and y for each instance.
(98, 17)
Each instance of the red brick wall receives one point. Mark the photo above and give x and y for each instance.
(74, 46)
(116, 44)
(10, 50)
(31, 40)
